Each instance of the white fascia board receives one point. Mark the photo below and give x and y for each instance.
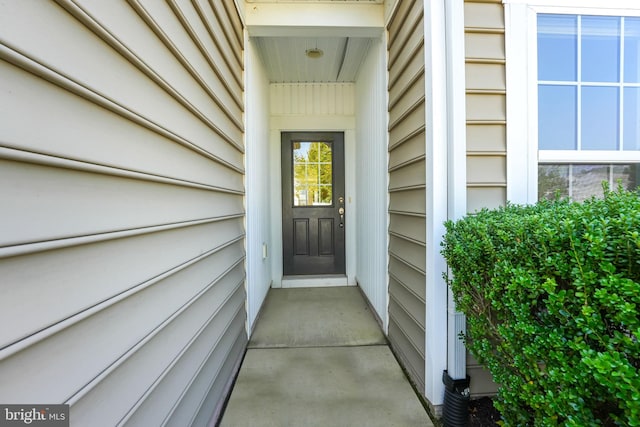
(314, 19)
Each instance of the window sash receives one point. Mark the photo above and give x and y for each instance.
(579, 83)
(588, 156)
(523, 154)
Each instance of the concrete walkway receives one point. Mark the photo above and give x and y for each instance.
(317, 357)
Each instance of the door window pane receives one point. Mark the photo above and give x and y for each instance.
(632, 50)
(313, 174)
(557, 47)
(600, 49)
(557, 117)
(600, 118)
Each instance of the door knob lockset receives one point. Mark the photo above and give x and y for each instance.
(341, 211)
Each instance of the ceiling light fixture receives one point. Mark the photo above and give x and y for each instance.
(314, 53)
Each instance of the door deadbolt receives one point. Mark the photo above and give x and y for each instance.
(341, 199)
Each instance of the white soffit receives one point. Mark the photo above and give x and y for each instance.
(284, 30)
(285, 60)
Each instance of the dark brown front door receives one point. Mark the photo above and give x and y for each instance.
(313, 203)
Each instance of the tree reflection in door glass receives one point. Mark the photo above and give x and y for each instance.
(312, 174)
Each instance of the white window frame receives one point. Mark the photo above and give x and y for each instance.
(523, 155)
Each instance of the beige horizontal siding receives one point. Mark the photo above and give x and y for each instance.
(408, 151)
(407, 188)
(484, 46)
(412, 227)
(486, 120)
(482, 383)
(485, 77)
(408, 202)
(485, 104)
(122, 235)
(485, 107)
(410, 276)
(483, 137)
(486, 169)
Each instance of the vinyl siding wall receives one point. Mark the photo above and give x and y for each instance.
(121, 228)
(259, 243)
(486, 104)
(407, 191)
(486, 120)
(312, 99)
(371, 179)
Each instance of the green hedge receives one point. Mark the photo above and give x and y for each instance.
(552, 298)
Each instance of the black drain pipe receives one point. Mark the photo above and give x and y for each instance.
(456, 401)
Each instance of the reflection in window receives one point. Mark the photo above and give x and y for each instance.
(557, 47)
(600, 48)
(579, 182)
(312, 174)
(631, 118)
(557, 117)
(600, 118)
(588, 82)
(632, 50)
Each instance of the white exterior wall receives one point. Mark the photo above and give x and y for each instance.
(121, 227)
(371, 179)
(258, 201)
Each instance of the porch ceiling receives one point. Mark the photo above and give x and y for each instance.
(284, 30)
(285, 58)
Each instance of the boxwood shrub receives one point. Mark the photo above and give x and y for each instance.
(552, 298)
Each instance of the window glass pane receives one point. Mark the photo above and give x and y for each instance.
(600, 49)
(632, 50)
(600, 118)
(580, 182)
(631, 118)
(587, 181)
(628, 175)
(557, 47)
(557, 124)
(553, 180)
(312, 174)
